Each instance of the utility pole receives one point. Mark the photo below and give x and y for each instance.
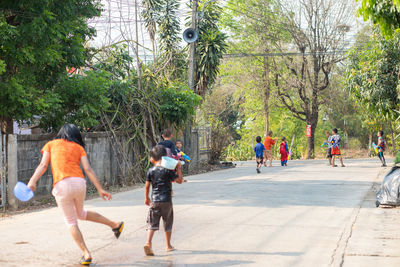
(187, 137)
(192, 57)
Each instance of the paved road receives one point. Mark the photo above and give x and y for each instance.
(307, 214)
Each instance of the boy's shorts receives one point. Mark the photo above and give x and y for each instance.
(160, 210)
(260, 160)
(335, 151)
(268, 154)
(329, 155)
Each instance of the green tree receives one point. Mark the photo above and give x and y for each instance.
(209, 48)
(372, 78)
(38, 41)
(385, 13)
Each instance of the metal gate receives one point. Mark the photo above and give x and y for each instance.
(3, 172)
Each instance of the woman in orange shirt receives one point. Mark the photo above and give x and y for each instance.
(69, 185)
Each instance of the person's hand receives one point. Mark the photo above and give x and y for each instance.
(32, 185)
(147, 201)
(105, 195)
(179, 165)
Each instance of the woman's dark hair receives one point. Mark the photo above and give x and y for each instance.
(71, 133)
(381, 133)
(283, 138)
(258, 139)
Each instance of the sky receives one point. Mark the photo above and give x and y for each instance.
(117, 22)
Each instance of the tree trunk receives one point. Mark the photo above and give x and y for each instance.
(369, 144)
(311, 140)
(267, 93)
(6, 125)
(393, 138)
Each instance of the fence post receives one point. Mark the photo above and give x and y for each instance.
(195, 156)
(12, 170)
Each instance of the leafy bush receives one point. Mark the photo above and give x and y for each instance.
(239, 152)
(178, 103)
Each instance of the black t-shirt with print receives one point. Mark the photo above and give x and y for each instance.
(161, 182)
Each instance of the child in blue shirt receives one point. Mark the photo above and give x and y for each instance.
(259, 149)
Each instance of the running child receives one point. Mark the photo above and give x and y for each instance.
(335, 150)
(160, 180)
(259, 149)
(268, 142)
(284, 150)
(69, 185)
(381, 148)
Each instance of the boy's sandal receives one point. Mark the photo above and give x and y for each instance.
(85, 261)
(117, 231)
(148, 250)
(334, 165)
(170, 249)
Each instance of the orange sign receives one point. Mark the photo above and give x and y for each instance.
(308, 133)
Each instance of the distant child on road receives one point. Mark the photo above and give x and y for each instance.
(284, 150)
(268, 142)
(335, 150)
(381, 148)
(259, 149)
(160, 180)
(329, 142)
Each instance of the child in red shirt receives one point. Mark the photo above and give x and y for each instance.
(284, 152)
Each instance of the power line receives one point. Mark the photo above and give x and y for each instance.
(319, 53)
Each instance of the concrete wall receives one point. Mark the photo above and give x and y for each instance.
(103, 152)
(24, 156)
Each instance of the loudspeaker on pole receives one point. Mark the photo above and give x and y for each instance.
(190, 35)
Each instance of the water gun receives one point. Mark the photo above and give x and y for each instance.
(375, 147)
(324, 144)
(184, 156)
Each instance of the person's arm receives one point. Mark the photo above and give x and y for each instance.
(379, 141)
(179, 180)
(93, 178)
(146, 193)
(40, 170)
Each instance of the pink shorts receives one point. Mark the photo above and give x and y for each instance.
(70, 194)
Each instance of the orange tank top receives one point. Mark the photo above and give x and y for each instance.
(64, 157)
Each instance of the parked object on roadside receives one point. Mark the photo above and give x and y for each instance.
(23, 192)
(388, 194)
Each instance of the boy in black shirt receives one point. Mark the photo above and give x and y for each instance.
(160, 179)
